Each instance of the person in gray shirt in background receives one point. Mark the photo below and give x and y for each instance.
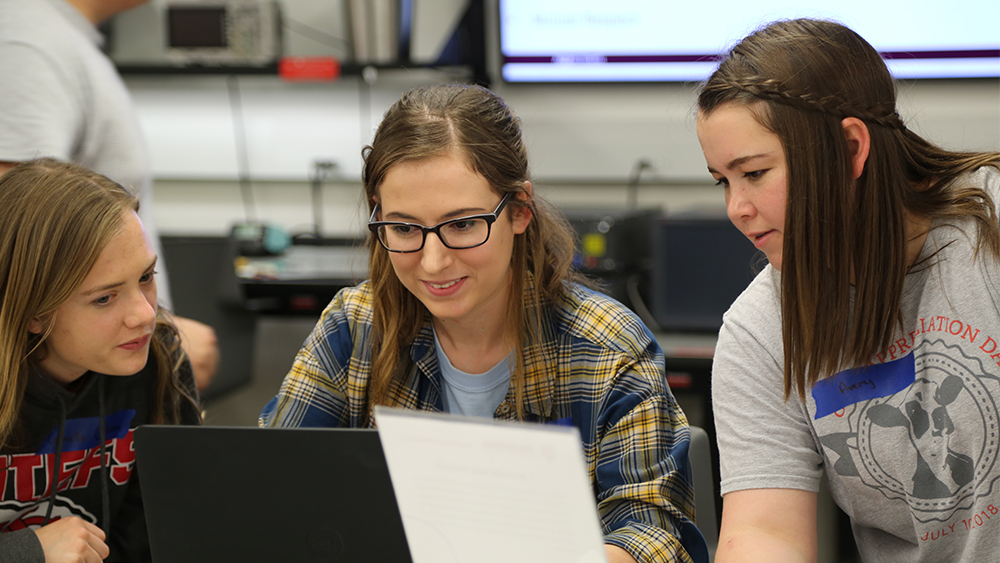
(60, 96)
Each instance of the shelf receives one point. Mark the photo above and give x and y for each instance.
(346, 69)
(134, 69)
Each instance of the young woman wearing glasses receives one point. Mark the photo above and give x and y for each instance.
(473, 308)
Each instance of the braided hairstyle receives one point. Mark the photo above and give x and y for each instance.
(800, 78)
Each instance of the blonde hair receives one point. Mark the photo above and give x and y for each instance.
(55, 220)
(476, 123)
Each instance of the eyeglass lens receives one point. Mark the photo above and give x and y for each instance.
(462, 233)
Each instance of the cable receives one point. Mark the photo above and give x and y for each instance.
(369, 75)
(633, 182)
(321, 171)
(638, 304)
(243, 163)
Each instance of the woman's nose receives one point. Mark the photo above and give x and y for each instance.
(435, 256)
(738, 205)
(141, 311)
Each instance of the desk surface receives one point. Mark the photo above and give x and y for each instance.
(347, 265)
(306, 262)
(687, 345)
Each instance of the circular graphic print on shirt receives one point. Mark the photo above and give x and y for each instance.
(934, 444)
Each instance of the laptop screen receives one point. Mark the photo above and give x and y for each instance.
(248, 494)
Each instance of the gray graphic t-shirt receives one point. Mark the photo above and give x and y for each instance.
(909, 443)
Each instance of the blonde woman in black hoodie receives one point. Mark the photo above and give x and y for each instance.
(86, 355)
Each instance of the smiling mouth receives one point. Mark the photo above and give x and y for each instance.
(443, 285)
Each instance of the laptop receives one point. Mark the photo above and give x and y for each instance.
(247, 494)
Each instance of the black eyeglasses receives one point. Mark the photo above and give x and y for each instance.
(464, 232)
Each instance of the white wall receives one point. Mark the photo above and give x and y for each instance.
(583, 141)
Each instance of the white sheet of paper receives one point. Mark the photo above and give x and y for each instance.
(481, 490)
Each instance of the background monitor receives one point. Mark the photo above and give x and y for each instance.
(657, 41)
(701, 264)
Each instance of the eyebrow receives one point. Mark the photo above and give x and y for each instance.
(739, 161)
(463, 212)
(116, 284)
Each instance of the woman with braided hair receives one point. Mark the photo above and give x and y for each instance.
(869, 347)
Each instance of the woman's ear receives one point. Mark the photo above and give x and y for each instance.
(36, 326)
(522, 216)
(527, 193)
(858, 142)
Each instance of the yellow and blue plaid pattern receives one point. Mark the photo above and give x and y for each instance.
(597, 368)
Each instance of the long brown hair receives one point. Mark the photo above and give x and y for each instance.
(55, 220)
(429, 122)
(801, 78)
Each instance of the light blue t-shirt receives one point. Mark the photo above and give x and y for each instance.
(472, 394)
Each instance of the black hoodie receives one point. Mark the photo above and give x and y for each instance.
(64, 428)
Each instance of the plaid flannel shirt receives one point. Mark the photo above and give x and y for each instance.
(598, 368)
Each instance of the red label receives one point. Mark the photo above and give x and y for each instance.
(309, 68)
